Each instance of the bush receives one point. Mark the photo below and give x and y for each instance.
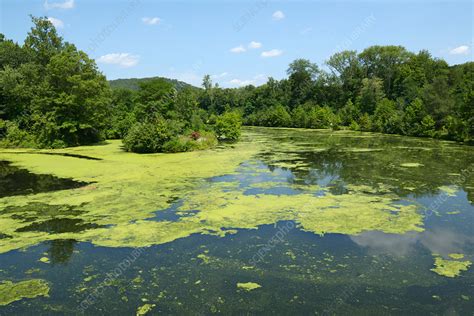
(184, 143)
(365, 122)
(177, 145)
(12, 136)
(148, 137)
(386, 118)
(428, 126)
(354, 126)
(228, 126)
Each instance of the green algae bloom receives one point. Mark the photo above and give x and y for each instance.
(143, 310)
(450, 268)
(249, 286)
(127, 189)
(456, 255)
(449, 190)
(12, 292)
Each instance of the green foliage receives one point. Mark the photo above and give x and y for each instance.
(386, 117)
(349, 113)
(427, 126)
(52, 90)
(52, 95)
(321, 117)
(149, 137)
(12, 136)
(384, 88)
(370, 94)
(188, 143)
(365, 122)
(228, 126)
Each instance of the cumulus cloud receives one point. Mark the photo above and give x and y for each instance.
(151, 21)
(461, 50)
(278, 15)
(121, 59)
(65, 5)
(56, 22)
(256, 80)
(254, 45)
(271, 53)
(238, 49)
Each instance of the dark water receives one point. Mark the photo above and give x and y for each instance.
(15, 181)
(373, 273)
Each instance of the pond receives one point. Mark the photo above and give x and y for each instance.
(286, 221)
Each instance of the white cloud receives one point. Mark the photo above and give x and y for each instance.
(121, 59)
(151, 21)
(221, 75)
(271, 53)
(461, 50)
(68, 4)
(254, 45)
(56, 22)
(238, 49)
(278, 15)
(257, 80)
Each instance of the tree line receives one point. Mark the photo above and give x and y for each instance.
(52, 95)
(383, 89)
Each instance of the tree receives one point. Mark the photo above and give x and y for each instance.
(386, 117)
(43, 41)
(370, 95)
(347, 67)
(384, 62)
(58, 94)
(301, 74)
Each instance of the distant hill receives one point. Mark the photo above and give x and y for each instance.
(133, 83)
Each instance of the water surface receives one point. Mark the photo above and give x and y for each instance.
(314, 269)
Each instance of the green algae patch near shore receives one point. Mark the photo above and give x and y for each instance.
(11, 292)
(249, 286)
(450, 268)
(127, 190)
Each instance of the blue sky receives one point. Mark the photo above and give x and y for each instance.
(241, 42)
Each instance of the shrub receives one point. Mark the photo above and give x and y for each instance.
(228, 126)
(184, 143)
(354, 126)
(148, 137)
(178, 144)
(365, 122)
(12, 136)
(386, 118)
(428, 126)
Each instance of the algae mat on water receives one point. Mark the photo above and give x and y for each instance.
(11, 292)
(126, 190)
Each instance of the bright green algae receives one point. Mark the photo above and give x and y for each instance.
(125, 189)
(11, 292)
(248, 286)
(451, 268)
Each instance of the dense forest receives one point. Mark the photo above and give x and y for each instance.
(52, 95)
(382, 89)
